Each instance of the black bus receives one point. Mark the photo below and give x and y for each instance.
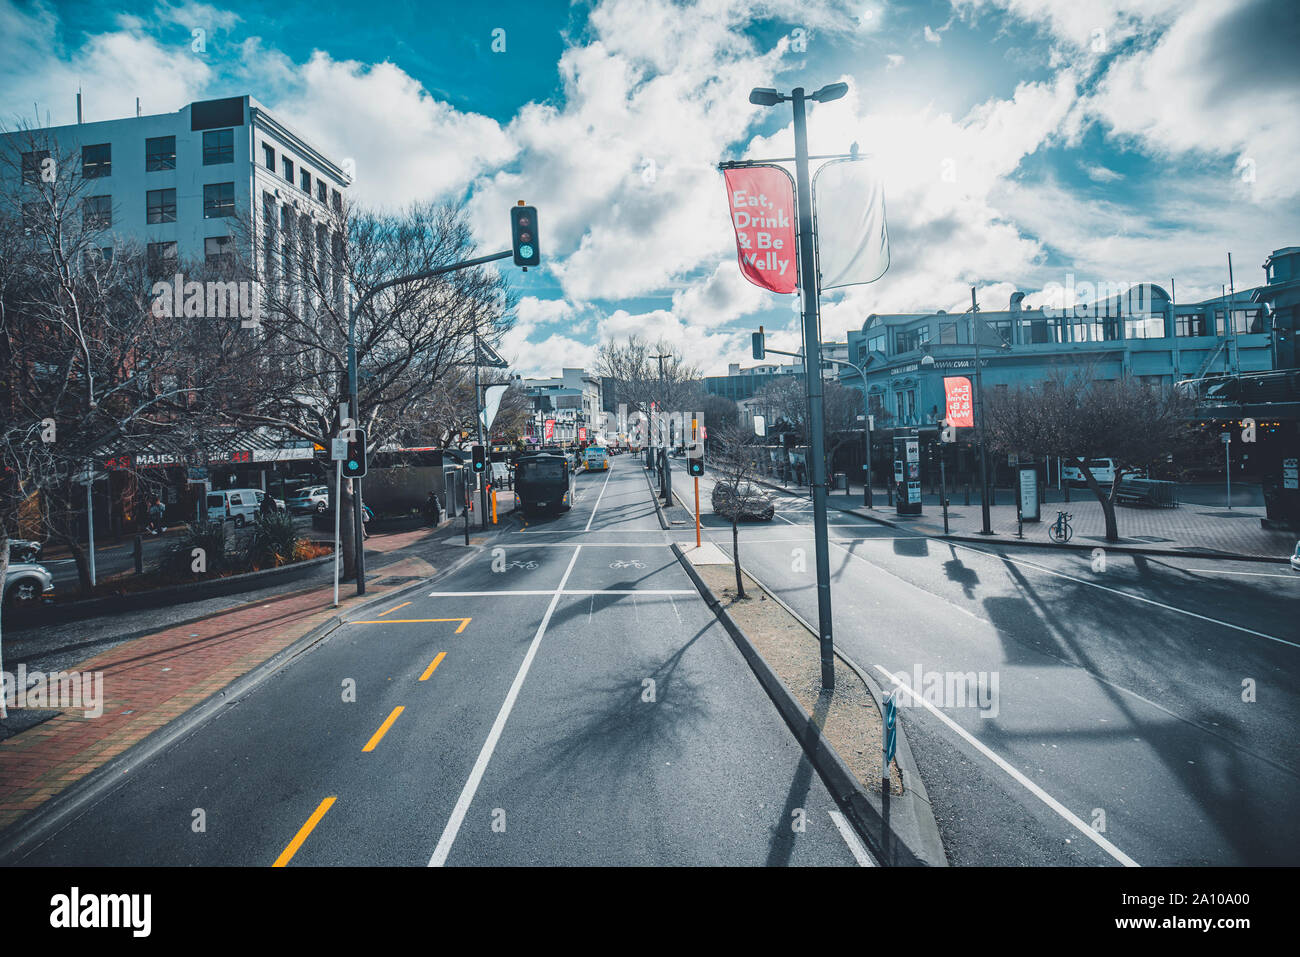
(542, 482)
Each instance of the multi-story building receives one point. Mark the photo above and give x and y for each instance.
(182, 183)
(571, 401)
(1140, 332)
(214, 181)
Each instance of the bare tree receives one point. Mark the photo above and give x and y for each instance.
(1078, 417)
(638, 376)
(735, 463)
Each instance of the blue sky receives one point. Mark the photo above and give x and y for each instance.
(1019, 140)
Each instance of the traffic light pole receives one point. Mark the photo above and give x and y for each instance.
(481, 477)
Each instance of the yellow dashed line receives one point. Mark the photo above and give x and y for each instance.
(383, 729)
(287, 854)
(433, 665)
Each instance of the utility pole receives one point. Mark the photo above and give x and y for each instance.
(478, 418)
(813, 375)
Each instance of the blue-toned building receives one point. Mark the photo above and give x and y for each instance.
(1135, 331)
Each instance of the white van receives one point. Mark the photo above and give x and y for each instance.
(238, 505)
(1103, 470)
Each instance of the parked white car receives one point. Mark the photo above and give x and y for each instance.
(238, 505)
(1103, 470)
(27, 584)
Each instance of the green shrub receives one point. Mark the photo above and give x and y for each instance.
(272, 541)
(178, 558)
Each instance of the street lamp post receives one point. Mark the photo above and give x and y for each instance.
(866, 424)
(812, 347)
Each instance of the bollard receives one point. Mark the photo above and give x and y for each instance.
(968, 492)
(137, 553)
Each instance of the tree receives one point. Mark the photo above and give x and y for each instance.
(1078, 417)
(638, 377)
(735, 463)
(409, 337)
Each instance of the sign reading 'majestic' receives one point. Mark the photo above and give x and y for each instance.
(761, 199)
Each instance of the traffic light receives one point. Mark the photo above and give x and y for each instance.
(523, 235)
(760, 347)
(354, 463)
(477, 459)
(695, 459)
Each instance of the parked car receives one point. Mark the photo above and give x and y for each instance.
(27, 584)
(238, 505)
(313, 498)
(24, 550)
(1103, 470)
(751, 500)
(1295, 557)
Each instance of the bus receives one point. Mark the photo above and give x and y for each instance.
(595, 458)
(542, 483)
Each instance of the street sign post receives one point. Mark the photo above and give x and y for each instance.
(889, 742)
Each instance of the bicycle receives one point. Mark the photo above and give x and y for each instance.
(1060, 531)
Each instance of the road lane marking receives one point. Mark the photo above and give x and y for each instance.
(433, 665)
(1116, 591)
(598, 498)
(1220, 571)
(383, 729)
(458, 813)
(393, 609)
(1064, 812)
(851, 839)
(287, 854)
(464, 622)
(630, 591)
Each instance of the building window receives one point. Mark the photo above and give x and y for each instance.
(218, 251)
(159, 153)
(876, 343)
(161, 256)
(338, 201)
(33, 164)
(97, 212)
(268, 156)
(286, 166)
(1247, 321)
(304, 180)
(1192, 325)
(909, 339)
(160, 206)
(218, 147)
(218, 200)
(322, 190)
(97, 161)
(1002, 327)
(948, 333)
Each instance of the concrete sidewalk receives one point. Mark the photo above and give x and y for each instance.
(1188, 529)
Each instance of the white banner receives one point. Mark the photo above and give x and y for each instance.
(491, 403)
(852, 238)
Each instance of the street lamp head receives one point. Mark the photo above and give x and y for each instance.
(832, 91)
(764, 96)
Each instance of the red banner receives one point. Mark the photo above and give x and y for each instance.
(550, 430)
(957, 394)
(761, 199)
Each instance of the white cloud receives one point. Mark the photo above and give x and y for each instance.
(931, 36)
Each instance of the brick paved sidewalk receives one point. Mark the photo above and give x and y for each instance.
(1189, 527)
(150, 681)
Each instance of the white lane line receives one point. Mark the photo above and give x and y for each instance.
(598, 498)
(1033, 788)
(851, 839)
(597, 544)
(1219, 571)
(564, 591)
(458, 813)
(1116, 591)
(630, 591)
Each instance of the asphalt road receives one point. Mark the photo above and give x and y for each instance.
(1153, 697)
(567, 699)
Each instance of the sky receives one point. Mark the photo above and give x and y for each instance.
(1018, 140)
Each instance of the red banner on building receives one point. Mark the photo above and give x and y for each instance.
(761, 200)
(549, 434)
(957, 395)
